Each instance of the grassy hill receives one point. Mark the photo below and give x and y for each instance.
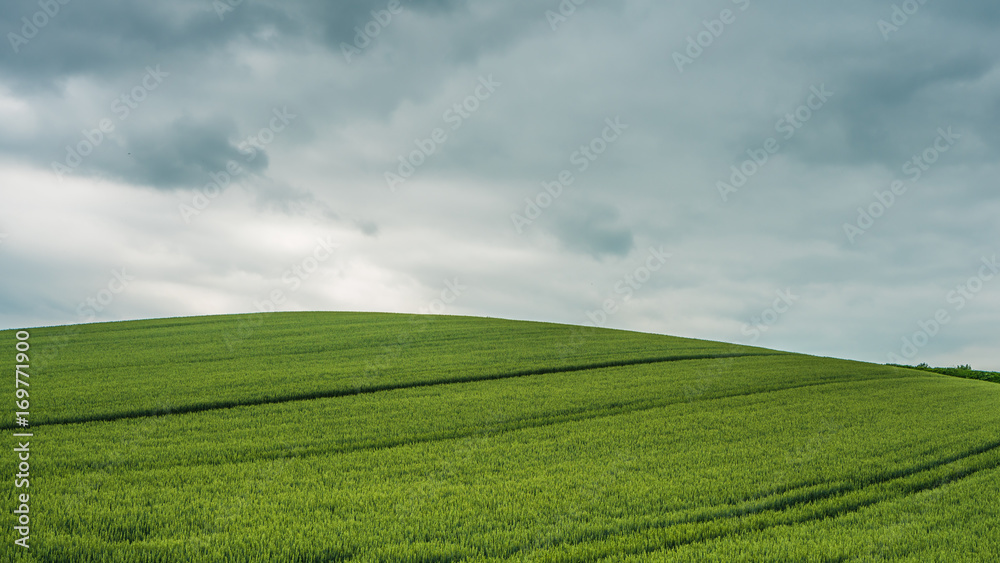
(310, 437)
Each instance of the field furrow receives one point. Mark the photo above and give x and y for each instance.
(337, 392)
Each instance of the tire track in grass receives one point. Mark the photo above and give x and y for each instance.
(784, 502)
(912, 480)
(854, 506)
(332, 393)
(569, 416)
(524, 423)
(731, 517)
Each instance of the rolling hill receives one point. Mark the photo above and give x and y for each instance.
(313, 437)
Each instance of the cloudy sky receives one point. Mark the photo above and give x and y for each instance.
(817, 177)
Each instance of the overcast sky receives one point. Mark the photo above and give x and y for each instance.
(819, 177)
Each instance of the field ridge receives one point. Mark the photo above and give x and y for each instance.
(334, 393)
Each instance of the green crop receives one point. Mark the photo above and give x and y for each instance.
(371, 437)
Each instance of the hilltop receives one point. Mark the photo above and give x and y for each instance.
(307, 437)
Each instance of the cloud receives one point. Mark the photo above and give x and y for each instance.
(322, 174)
(185, 153)
(593, 229)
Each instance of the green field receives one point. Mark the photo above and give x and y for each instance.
(313, 437)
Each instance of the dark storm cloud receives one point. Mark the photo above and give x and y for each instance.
(891, 93)
(593, 229)
(103, 38)
(188, 151)
(105, 43)
(977, 12)
(107, 38)
(182, 153)
(893, 108)
(342, 21)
